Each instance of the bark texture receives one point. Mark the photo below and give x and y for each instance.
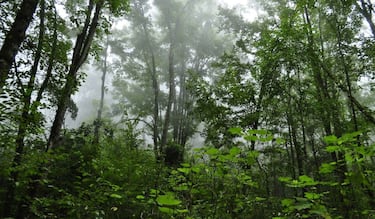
(15, 37)
(80, 53)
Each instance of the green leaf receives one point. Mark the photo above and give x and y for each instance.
(320, 210)
(312, 195)
(251, 138)
(168, 199)
(140, 197)
(287, 202)
(235, 131)
(166, 210)
(262, 132)
(349, 158)
(234, 151)
(280, 141)
(185, 165)
(258, 199)
(212, 151)
(115, 196)
(331, 149)
(285, 179)
(266, 139)
(303, 206)
(307, 181)
(154, 193)
(327, 167)
(196, 169)
(350, 136)
(331, 139)
(181, 188)
(174, 172)
(184, 170)
(182, 211)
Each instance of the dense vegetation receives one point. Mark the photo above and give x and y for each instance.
(283, 101)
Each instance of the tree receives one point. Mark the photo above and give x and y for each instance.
(183, 50)
(80, 53)
(303, 56)
(25, 116)
(104, 69)
(15, 36)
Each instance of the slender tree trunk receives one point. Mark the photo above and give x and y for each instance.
(51, 60)
(258, 107)
(295, 143)
(15, 37)
(299, 151)
(171, 68)
(155, 87)
(318, 63)
(320, 83)
(292, 155)
(25, 118)
(302, 113)
(334, 114)
(179, 109)
(314, 153)
(80, 54)
(151, 65)
(167, 118)
(98, 122)
(176, 116)
(347, 78)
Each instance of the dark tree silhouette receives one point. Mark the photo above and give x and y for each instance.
(15, 37)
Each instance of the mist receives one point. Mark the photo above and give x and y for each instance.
(187, 109)
(88, 96)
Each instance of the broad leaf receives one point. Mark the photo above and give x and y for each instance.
(168, 199)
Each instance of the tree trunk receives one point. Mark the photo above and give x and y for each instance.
(98, 122)
(179, 115)
(167, 118)
(80, 53)
(15, 37)
(51, 60)
(151, 65)
(334, 117)
(346, 70)
(155, 87)
(25, 118)
(292, 127)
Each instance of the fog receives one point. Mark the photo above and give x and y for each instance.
(87, 98)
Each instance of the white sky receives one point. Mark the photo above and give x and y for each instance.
(243, 7)
(234, 2)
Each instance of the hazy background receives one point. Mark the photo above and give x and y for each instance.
(87, 99)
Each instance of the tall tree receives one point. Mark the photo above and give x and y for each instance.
(80, 54)
(157, 84)
(104, 68)
(25, 116)
(15, 36)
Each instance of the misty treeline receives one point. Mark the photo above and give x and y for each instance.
(282, 96)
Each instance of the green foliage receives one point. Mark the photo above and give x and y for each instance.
(119, 7)
(315, 200)
(215, 183)
(300, 71)
(103, 182)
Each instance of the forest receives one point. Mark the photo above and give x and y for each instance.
(187, 109)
